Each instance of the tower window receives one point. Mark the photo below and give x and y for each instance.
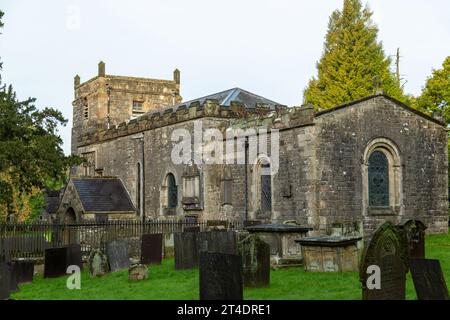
(85, 109)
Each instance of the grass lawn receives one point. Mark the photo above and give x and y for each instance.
(165, 283)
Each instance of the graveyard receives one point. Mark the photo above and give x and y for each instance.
(166, 282)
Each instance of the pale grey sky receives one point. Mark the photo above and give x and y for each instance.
(269, 47)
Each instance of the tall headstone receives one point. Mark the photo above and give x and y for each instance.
(151, 248)
(5, 276)
(25, 270)
(428, 279)
(386, 250)
(186, 251)
(74, 255)
(97, 263)
(14, 279)
(55, 264)
(217, 241)
(220, 276)
(117, 253)
(415, 236)
(255, 255)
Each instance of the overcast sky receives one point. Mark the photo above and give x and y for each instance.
(269, 47)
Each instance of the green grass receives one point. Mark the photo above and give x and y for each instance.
(165, 283)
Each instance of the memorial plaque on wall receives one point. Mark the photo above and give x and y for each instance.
(151, 248)
(117, 253)
(415, 237)
(5, 276)
(74, 255)
(255, 255)
(220, 276)
(428, 279)
(388, 251)
(186, 251)
(55, 264)
(217, 241)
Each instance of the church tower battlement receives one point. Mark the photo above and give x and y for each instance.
(107, 100)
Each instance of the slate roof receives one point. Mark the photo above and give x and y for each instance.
(103, 195)
(224, 98)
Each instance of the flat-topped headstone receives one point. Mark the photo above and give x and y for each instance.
(5, 276)
(25, 270)
(386, 250)
(428, 279)
(55, 264)
(138, 272)
(74, 255)
(14, 279)
(255, 255)
(151, 248)
(217, 241)
(186, 250)
(117, 253)
(97, 263)
(415, 236)
(220, 276)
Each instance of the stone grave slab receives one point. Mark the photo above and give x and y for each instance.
(74, 255)
(415, 237)
(428, 279)
(14, 279)
(387, 250)
(97, 263)
(118, 256)
(151, 248)
(217, 241)
(220, 276)
(25, 270)
(186, 251)
(255, 255)
(55, 264)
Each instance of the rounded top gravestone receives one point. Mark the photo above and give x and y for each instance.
(387, 251)
(98, 263)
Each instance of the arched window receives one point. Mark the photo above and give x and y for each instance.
(172, 192)
(378, 180)
(266, 188)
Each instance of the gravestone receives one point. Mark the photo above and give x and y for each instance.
(138, 272)
(220, 276)
(428, 279)
(191, 229)
(25, 269)
(217, 241)
(55, 264)
(415, 236)
(14, 279)
(97, 263)
(74, 255)
(117, 253)
(255, 255)
(186, 251)
(151, 248)
(5, 276)
(387, 250)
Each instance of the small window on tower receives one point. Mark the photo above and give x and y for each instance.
(85, 109)
(138, 105)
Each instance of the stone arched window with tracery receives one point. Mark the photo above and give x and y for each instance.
(378, 180)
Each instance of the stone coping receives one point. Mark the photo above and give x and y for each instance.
(328, 241)
(277, 227)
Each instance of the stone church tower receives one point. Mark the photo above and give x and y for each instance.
(105, 101)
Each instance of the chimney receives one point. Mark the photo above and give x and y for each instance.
(101, 69)
(76, 81)
(176, 76)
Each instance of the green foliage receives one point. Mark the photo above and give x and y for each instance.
(30, 149)
(436, 93)
(165, 283)
(352, 58)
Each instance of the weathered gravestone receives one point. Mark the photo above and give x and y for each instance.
(415, 236)
(428, 279)
(217, 241)
(186, 250)
(255, 255)
(5, 278)
(138, 272)
(14, 277)
(151, 248)
(386, 250)
(25, 270)
(74, 255)
(220, 276)
(97, 263)
(117, 253)
(55, 264)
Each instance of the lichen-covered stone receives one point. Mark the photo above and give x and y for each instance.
(138, 272)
